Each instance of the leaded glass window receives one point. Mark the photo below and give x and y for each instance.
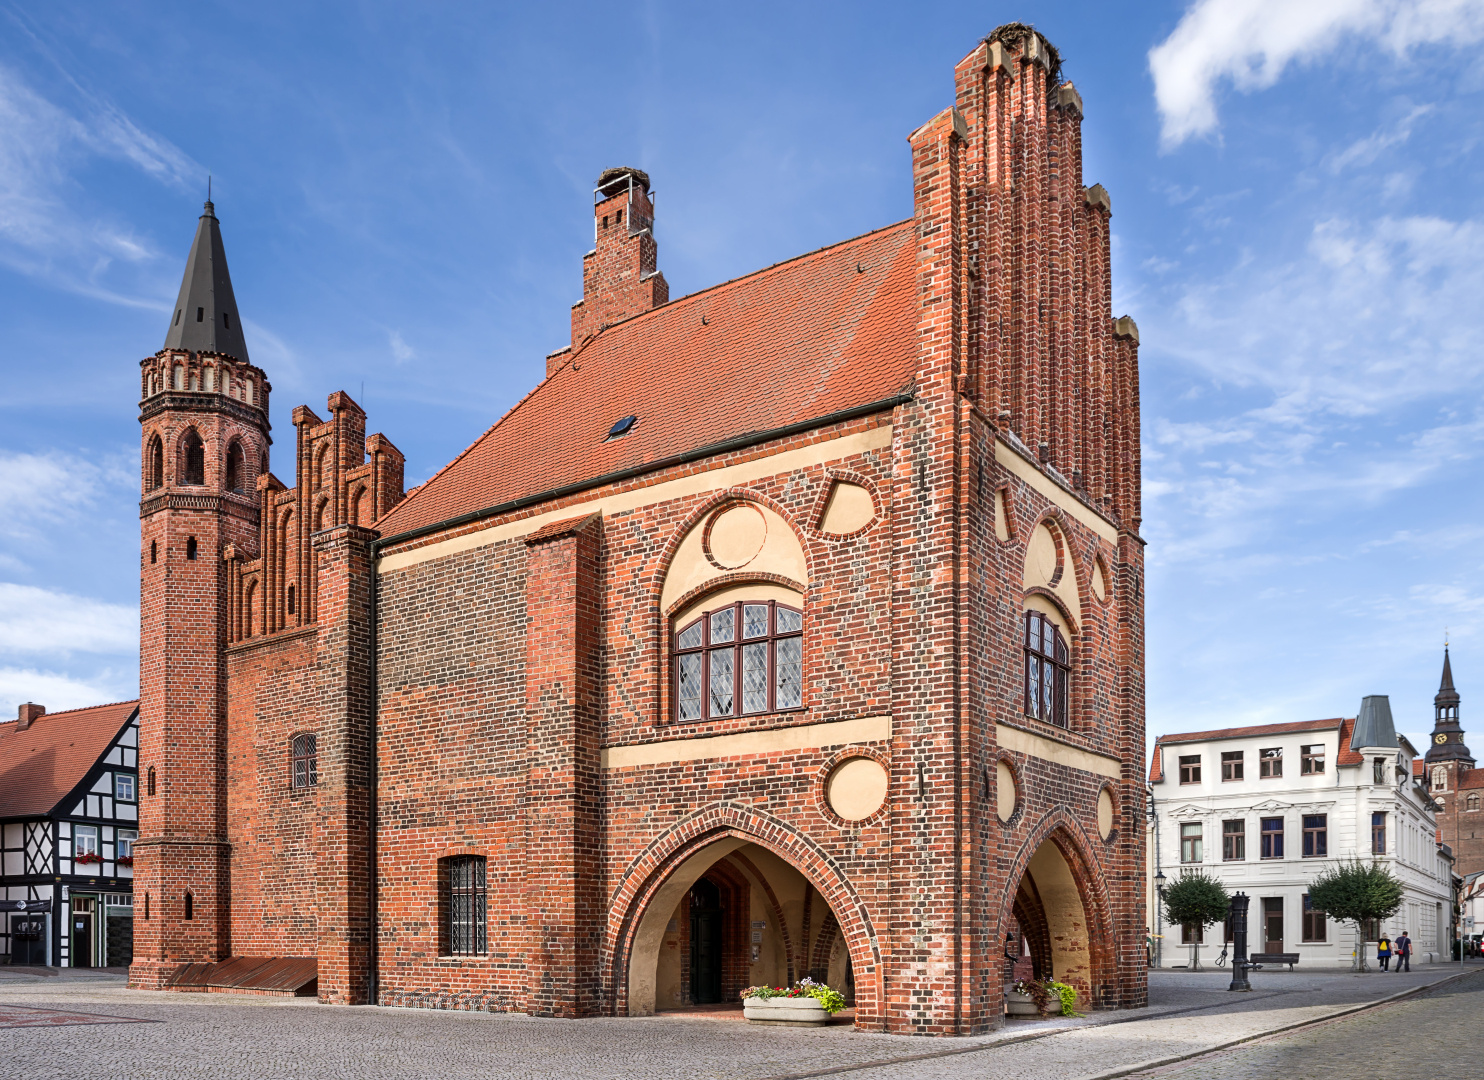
(305, 759)
(1047, 669)
(465, 905)
(743, 659)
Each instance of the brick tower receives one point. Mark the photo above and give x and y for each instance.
(1456, 786)
(204, 419)
(619, 275)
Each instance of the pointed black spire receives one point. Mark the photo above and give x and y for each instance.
(1447, 731)
(205, 316)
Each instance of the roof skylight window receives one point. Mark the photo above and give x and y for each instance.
(621, 427)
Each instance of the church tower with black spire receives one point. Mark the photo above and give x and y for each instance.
(204, 433)
(1452, 781)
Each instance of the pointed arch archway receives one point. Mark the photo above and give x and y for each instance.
(1057, 885)
(665, 870)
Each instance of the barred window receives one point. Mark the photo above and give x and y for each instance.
(1047, 669)
(742, 659)
(305, 758)
(464, 905)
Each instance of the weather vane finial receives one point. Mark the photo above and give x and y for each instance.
(208, 187)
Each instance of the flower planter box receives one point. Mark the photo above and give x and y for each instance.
(1021, 1004)
(785, 1011)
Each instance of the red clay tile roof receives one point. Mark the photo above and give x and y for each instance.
(39, 766)
(1418, 767)
(1156, 764)
(795, 342)
(1348, 756)
(1474, 778)
(1259, 729)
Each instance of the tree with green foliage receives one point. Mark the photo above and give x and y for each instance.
(1354, 892)
(1196, 899)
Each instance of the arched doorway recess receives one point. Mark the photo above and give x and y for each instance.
(1059, 918)
(775, 926)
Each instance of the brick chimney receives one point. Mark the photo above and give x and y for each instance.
(619, 278)
(27, 713)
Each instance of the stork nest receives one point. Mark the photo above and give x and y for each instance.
(1013, 35)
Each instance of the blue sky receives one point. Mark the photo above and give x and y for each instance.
(403, 191)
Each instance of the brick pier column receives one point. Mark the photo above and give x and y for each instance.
(343, 658)
(564, 903)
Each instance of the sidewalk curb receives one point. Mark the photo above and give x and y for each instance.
(1344, 1010)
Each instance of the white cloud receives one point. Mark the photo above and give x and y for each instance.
(1250, 43)
(52, 486)
(34, 620)
(58, 691)
(401, 351)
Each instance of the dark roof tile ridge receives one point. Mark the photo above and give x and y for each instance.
(420, 488)
(466, 451)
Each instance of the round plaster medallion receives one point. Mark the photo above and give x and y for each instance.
(737, 535)
(1004, 789)
(856, 788)
(1043, 555)
(1105, 813)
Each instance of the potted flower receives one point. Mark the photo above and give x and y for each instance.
(1032, 997)
(87, 857)
(805, 1004)
(126, 860)
(1026, 997)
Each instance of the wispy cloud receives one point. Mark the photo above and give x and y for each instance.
(401, 351)
(45, 230)
(51, 487)
(1250, 43)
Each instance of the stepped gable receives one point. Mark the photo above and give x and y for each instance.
(826, 332)
(42, 763)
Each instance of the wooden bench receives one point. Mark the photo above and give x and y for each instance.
(1258, 959)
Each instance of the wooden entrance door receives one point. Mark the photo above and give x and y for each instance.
(705, 943)
(1272, 924)
(83, 917)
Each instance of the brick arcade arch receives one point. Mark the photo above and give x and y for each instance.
(660, 875)
(1058, 899)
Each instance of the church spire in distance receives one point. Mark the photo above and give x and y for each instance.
(1447, 734)
(205, 315)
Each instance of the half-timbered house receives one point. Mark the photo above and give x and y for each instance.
(69, 793)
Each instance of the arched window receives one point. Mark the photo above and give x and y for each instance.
(1473, 802)
(154, 464)
(741, 659)
(190, 906)
(319, 478)
(150, 785)
(304, 760)
(1439, 778)
(154, 550)
(192, 459)
(236, 469)
(1047, 669)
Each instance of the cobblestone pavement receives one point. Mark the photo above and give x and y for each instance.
(1437, 1034)
(243, 1037)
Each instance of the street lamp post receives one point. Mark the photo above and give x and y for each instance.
(1159, 920)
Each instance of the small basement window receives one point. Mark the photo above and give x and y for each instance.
(621, 427)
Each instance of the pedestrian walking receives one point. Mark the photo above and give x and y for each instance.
(1383, 952)
(1403, 950)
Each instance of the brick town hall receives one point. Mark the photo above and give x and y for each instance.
(794, 627)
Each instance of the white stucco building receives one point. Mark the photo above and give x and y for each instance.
(1267, 808)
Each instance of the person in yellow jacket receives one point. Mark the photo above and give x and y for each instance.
(1383, 952)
